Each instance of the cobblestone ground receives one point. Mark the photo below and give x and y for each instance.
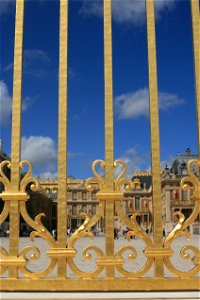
(99, 241)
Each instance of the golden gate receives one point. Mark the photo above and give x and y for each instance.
(158, 252)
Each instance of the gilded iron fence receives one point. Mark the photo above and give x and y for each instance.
(158, 253)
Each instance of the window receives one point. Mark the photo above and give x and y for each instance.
(137, 203)
(69, 195)
(93, 209)
(94, 195)
(74, 210)
(184, 195)
(74, 195)
(84, 195)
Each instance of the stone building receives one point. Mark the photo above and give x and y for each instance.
(173, 197)
(80, 200)
(138, 200)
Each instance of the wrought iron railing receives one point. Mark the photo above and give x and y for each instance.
(62, 252)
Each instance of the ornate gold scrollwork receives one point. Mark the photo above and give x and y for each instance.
(27, 177)
(135, 230)
(117, 196)
(81, 232)
(120, 182)
(190, 181)
(21, 196)
(89, 184)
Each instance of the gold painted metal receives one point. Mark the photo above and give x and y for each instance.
(155, 138)
(109, 130)
(62, 136)
(62, 253)
(196, 49)
(16, 132)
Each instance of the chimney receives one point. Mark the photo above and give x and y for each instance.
(188, 151)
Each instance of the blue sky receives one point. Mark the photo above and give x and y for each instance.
(86, 83)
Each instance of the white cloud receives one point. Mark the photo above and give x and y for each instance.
(36, 62)
(28, 101)
(136, 104)
(48, 175)
(134, 159)
(5, 104)
(31, 55)
(132, 11)
(40, 151)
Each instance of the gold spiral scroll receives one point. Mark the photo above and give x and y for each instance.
(155, 138)
(62, 136)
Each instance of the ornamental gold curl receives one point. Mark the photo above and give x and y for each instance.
(195, 259)
(36, 275)
(195, 250)
(100, 181)
(40, 231)
(3, 178)
(133, 225)
(87, 256)
(192, 179)
(178, 230)
(33, 256)
(37, 225)
(27, 179)
(133, 256)
(121, 181)
(80, 232)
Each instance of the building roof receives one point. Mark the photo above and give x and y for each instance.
(145, 180)
(179, 166)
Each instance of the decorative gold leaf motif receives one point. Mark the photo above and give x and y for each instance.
(192, 180)
(27, 179)
(100, 181)
(121, 182)
(177, 231)
(181, 228)
(3, 179)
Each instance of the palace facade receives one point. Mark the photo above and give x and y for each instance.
(138, 200)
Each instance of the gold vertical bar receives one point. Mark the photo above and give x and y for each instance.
(196, 50)
(155, 139)
(62, 135)
(109, 129)
(16, 132)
